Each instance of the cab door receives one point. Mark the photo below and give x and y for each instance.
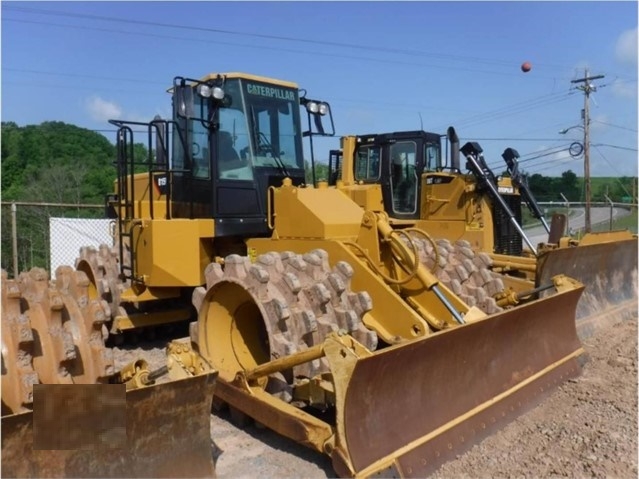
(403, 169)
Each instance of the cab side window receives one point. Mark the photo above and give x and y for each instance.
(367, 164)
(200, 151)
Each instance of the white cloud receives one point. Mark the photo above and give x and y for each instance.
(624, 89)
(626, 47)
(102, 110)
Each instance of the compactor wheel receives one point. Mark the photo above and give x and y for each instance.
(18, 376)
(282, 304)
(51, 334)
(87, 326)
(102, 269)
(54, 347)
(465, 272)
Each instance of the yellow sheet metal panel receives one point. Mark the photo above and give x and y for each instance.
(173, 252)
(443, 193)
(315, 213)
(348, 144)
(368, 196)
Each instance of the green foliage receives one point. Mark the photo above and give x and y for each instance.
(619, 190)
(550, 189)
(627, 222)
(53, 162)
(321, 172)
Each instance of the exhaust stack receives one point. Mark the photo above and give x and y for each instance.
(454, 147)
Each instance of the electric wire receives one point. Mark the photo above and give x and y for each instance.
(510, 110)
(376, 48)
(502, 112)
(277, 48)
(612, 167)
(615, 126)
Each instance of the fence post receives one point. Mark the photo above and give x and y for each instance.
(14, 239)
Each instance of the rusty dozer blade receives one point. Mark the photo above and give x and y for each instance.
(409, 408)
(167, 435)
(608, 270)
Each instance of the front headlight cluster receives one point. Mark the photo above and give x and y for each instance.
(207, 91)
(316, 107)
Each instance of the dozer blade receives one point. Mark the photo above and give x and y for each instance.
(412, 407)
(609, 273)
(167, 435)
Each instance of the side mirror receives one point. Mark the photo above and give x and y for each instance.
(183, 96)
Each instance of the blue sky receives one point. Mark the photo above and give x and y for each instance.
(383, 66)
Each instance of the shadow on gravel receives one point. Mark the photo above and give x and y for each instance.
(275, 441)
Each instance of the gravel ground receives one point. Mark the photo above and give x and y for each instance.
(586, 428)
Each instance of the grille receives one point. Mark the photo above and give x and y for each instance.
(507, 240)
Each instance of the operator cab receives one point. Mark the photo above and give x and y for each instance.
(397, 161)
(235, 136)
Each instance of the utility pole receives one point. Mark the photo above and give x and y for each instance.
(587, 88)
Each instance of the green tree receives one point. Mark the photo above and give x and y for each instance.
(52, 162)
(568, 186)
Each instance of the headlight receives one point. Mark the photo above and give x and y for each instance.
(312, 107)
(218, 93)
(323, 109)
(204, 91)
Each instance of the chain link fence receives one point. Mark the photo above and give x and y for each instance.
(48, 235)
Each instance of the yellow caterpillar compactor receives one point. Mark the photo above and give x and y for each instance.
(324, 321)
(406, 175)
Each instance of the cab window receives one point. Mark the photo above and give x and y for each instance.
(367, 164)
(233, 140)
(432, 157)
(403, 175)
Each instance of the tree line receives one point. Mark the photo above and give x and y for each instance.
(619, 190)
(53, 162)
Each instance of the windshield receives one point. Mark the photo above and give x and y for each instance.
(257, 127)
(273, 113)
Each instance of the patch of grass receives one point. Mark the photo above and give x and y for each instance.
(628, 222)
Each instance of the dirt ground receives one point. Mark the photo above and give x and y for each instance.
(586, 428)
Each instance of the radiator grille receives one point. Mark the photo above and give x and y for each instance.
(507, 240)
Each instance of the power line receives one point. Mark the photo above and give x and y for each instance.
(607, 161)
(262, 36)
(271, 48)
(615, 126)
(518, 139)
(535, 155)
(69, 87)
(614, 146)
(81, 75)
(518, 107)
(497, 114)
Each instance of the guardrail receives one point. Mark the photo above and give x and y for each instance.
(593, 204)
